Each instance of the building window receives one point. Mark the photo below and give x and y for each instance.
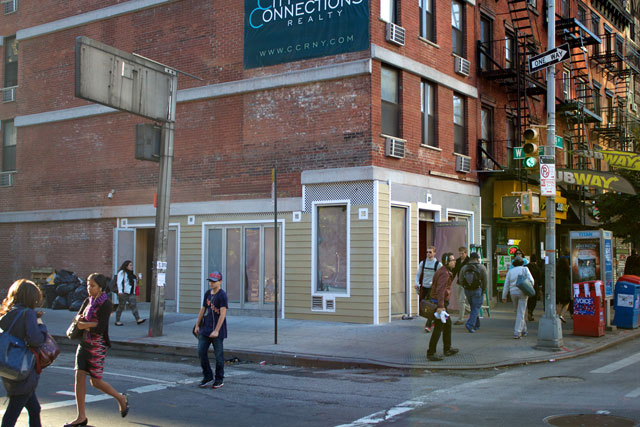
(390, 102)
(608, 40)
(596, 98)
(609, 110)
(389, 11)
(565, 8)
(486, 132)
(595, 29)
(457, 25)
(10, 62)
(427, 20)
(331, 247)
(582, 14)
(459, 145)
(427, 108)
(486, 35)
(508, 50)
(566, 87)
(8, 146)
(510, 139)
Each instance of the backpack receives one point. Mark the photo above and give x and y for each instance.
(471, 279)
(113, 284)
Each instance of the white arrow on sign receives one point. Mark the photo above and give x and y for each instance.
(550, 57)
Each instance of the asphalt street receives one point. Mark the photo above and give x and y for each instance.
(165, 393)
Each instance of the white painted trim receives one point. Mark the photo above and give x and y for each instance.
(314, 239)
(137, 211)
(408, 280)
(376, 253)
(239, 87)
(176, 226)
(88, 17)
(203, 238)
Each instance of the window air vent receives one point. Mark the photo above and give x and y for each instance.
(395, 34)
(9, 94)
(462, 66)
(323, 303)
(6, 179)
(463, 164)
(10, 6)
(394, 148)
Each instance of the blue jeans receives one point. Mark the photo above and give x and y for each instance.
(16, 403)
(203, 348)
(475, 301)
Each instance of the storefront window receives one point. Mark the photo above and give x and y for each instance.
(331, 247)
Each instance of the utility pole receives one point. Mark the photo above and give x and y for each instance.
(161, 243)
(549, 327)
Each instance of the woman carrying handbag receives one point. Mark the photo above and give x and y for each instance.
(19, 305)
(93, 320)
(517, 296)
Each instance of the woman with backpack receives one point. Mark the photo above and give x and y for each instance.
(19, 307)
(126, 286)
(517, 296)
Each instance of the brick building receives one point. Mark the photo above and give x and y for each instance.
(367, 108)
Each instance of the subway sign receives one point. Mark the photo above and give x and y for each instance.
(279, 31)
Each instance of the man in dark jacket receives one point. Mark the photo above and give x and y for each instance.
(440, 294)
(473, 279)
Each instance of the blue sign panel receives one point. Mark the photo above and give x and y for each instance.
(278, 31)
(584, 306)
(608, 266)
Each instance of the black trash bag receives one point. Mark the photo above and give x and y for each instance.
(80, 294)
(60, 303)
(49, 295)
(64, 288)
(75, 305)
(64, 276)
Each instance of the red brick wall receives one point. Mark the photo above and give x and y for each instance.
(83, 247)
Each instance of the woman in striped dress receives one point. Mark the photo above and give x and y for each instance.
(93, 318)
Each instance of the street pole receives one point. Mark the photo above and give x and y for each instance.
(274, 178)
(161, 242)
(549, 327)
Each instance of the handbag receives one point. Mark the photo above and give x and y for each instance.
(73, 332)
(428, 308)
(524, 284)
(46, 353)
(16, 359)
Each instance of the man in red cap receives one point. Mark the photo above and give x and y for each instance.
(211, 328)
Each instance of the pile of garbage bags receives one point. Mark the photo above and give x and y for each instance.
(64, 291)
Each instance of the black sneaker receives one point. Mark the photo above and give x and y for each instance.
(217, 384)
(451, 352)
(205, 383)
(434, 358)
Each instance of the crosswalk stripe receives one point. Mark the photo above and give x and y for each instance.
(612, 367)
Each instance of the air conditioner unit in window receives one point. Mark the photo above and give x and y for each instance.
(6, 179)
(634, 108)
(9, 94)
(10, 6)
(394, 147)
(323, 303)
(395, 34)
(462, 66)
(463, 164)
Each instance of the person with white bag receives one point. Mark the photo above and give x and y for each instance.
(517, 296)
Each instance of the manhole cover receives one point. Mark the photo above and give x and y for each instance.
(589, 420)
(562, 379)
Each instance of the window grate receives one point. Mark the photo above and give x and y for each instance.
(359, 193)
(10, 6)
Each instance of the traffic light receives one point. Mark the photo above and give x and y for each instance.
(531, 139)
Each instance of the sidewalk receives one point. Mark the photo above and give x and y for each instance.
(399, 344)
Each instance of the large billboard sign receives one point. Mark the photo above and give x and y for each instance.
(279, 31)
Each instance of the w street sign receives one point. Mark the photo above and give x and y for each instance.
(518, 153)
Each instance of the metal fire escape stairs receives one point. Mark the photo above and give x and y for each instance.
(578, 106)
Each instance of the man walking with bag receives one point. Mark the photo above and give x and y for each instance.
(440, 293)
(473, 278)
(424, 277)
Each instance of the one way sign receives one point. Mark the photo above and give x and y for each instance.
(550, 57)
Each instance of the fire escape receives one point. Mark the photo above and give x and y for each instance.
(620, 62)
(505, 61)
(578, 106)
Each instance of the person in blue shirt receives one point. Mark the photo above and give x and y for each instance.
(211, 328)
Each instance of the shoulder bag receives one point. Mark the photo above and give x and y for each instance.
(428, 308)
(73, 332)
(524, 284)
(16, 360)
(46, 353)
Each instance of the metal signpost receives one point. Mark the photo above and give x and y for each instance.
(551, 57)
(146, 88)
(549, 327)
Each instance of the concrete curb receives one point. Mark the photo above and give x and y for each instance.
(327, 362)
